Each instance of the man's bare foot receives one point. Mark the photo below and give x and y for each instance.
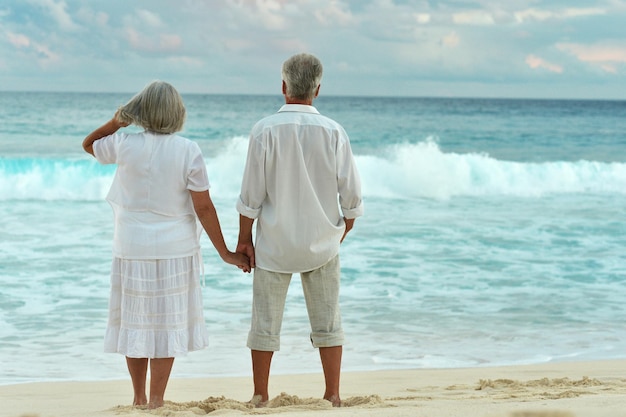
(257, 401)
(155, 402)
(153, 405)
(334, 400)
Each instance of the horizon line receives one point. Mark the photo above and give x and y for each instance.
(364, 96)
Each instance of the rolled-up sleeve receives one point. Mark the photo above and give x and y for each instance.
(348, 181)
(253, 187)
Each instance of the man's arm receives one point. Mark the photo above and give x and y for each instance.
(348, 179)
(245, 244)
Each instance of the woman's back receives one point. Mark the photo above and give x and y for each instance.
(154, 213)
(155, 172)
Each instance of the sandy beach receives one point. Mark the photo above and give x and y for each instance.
(576, 389)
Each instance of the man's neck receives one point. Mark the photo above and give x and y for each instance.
(289, 100)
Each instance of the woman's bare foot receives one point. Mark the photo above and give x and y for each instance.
(257, 401)
(138, 402)
(334, 400)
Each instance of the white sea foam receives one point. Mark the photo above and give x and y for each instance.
(397, 171)
(423, 170)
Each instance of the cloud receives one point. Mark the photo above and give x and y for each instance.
(422, 18)
(100, 19)
(590, 11)
(40, 52)
(540, 15)
(604, 56)
(58, 13)
(334, 13)
(145, 31)
(18, 40)
(170, 42)
(473, 17)
(535, 62)
(163, 42)
(268, 12)
(45, 56)
(595, 53)
(149, 18)
(611, 69)
(185, 61)
(451, 40)
(533, 14)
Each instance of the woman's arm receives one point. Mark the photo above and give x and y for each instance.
(205, 210)
(106, 129)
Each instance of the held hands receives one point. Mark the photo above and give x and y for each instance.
(241, 260)
(247, 249)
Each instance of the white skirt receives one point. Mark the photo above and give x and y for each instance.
(155, 308)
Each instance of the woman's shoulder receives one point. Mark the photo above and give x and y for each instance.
(182, 142)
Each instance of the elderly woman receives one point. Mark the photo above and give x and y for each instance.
(160, 188)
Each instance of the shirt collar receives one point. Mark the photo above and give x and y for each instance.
(298, 108)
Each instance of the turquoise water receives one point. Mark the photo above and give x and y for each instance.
(493, 234)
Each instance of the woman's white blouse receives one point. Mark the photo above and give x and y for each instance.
(154, 214)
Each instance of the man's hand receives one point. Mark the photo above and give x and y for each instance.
(349, 226)
(245, 244)
(247, 248)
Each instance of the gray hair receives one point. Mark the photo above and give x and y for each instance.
(157, 108)
(302, 74)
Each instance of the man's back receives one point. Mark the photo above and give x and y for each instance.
(298, 163)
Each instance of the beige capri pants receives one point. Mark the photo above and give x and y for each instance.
(321, 293)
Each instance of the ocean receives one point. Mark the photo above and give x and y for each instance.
(494, 234)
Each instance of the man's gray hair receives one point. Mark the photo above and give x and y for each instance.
(302, 74)
(157, 108)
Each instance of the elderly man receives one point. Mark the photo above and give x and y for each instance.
(301, 183)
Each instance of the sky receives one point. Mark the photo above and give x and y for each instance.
(422, 48)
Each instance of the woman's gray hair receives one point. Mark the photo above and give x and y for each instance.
(157, 108)
(302, 74)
